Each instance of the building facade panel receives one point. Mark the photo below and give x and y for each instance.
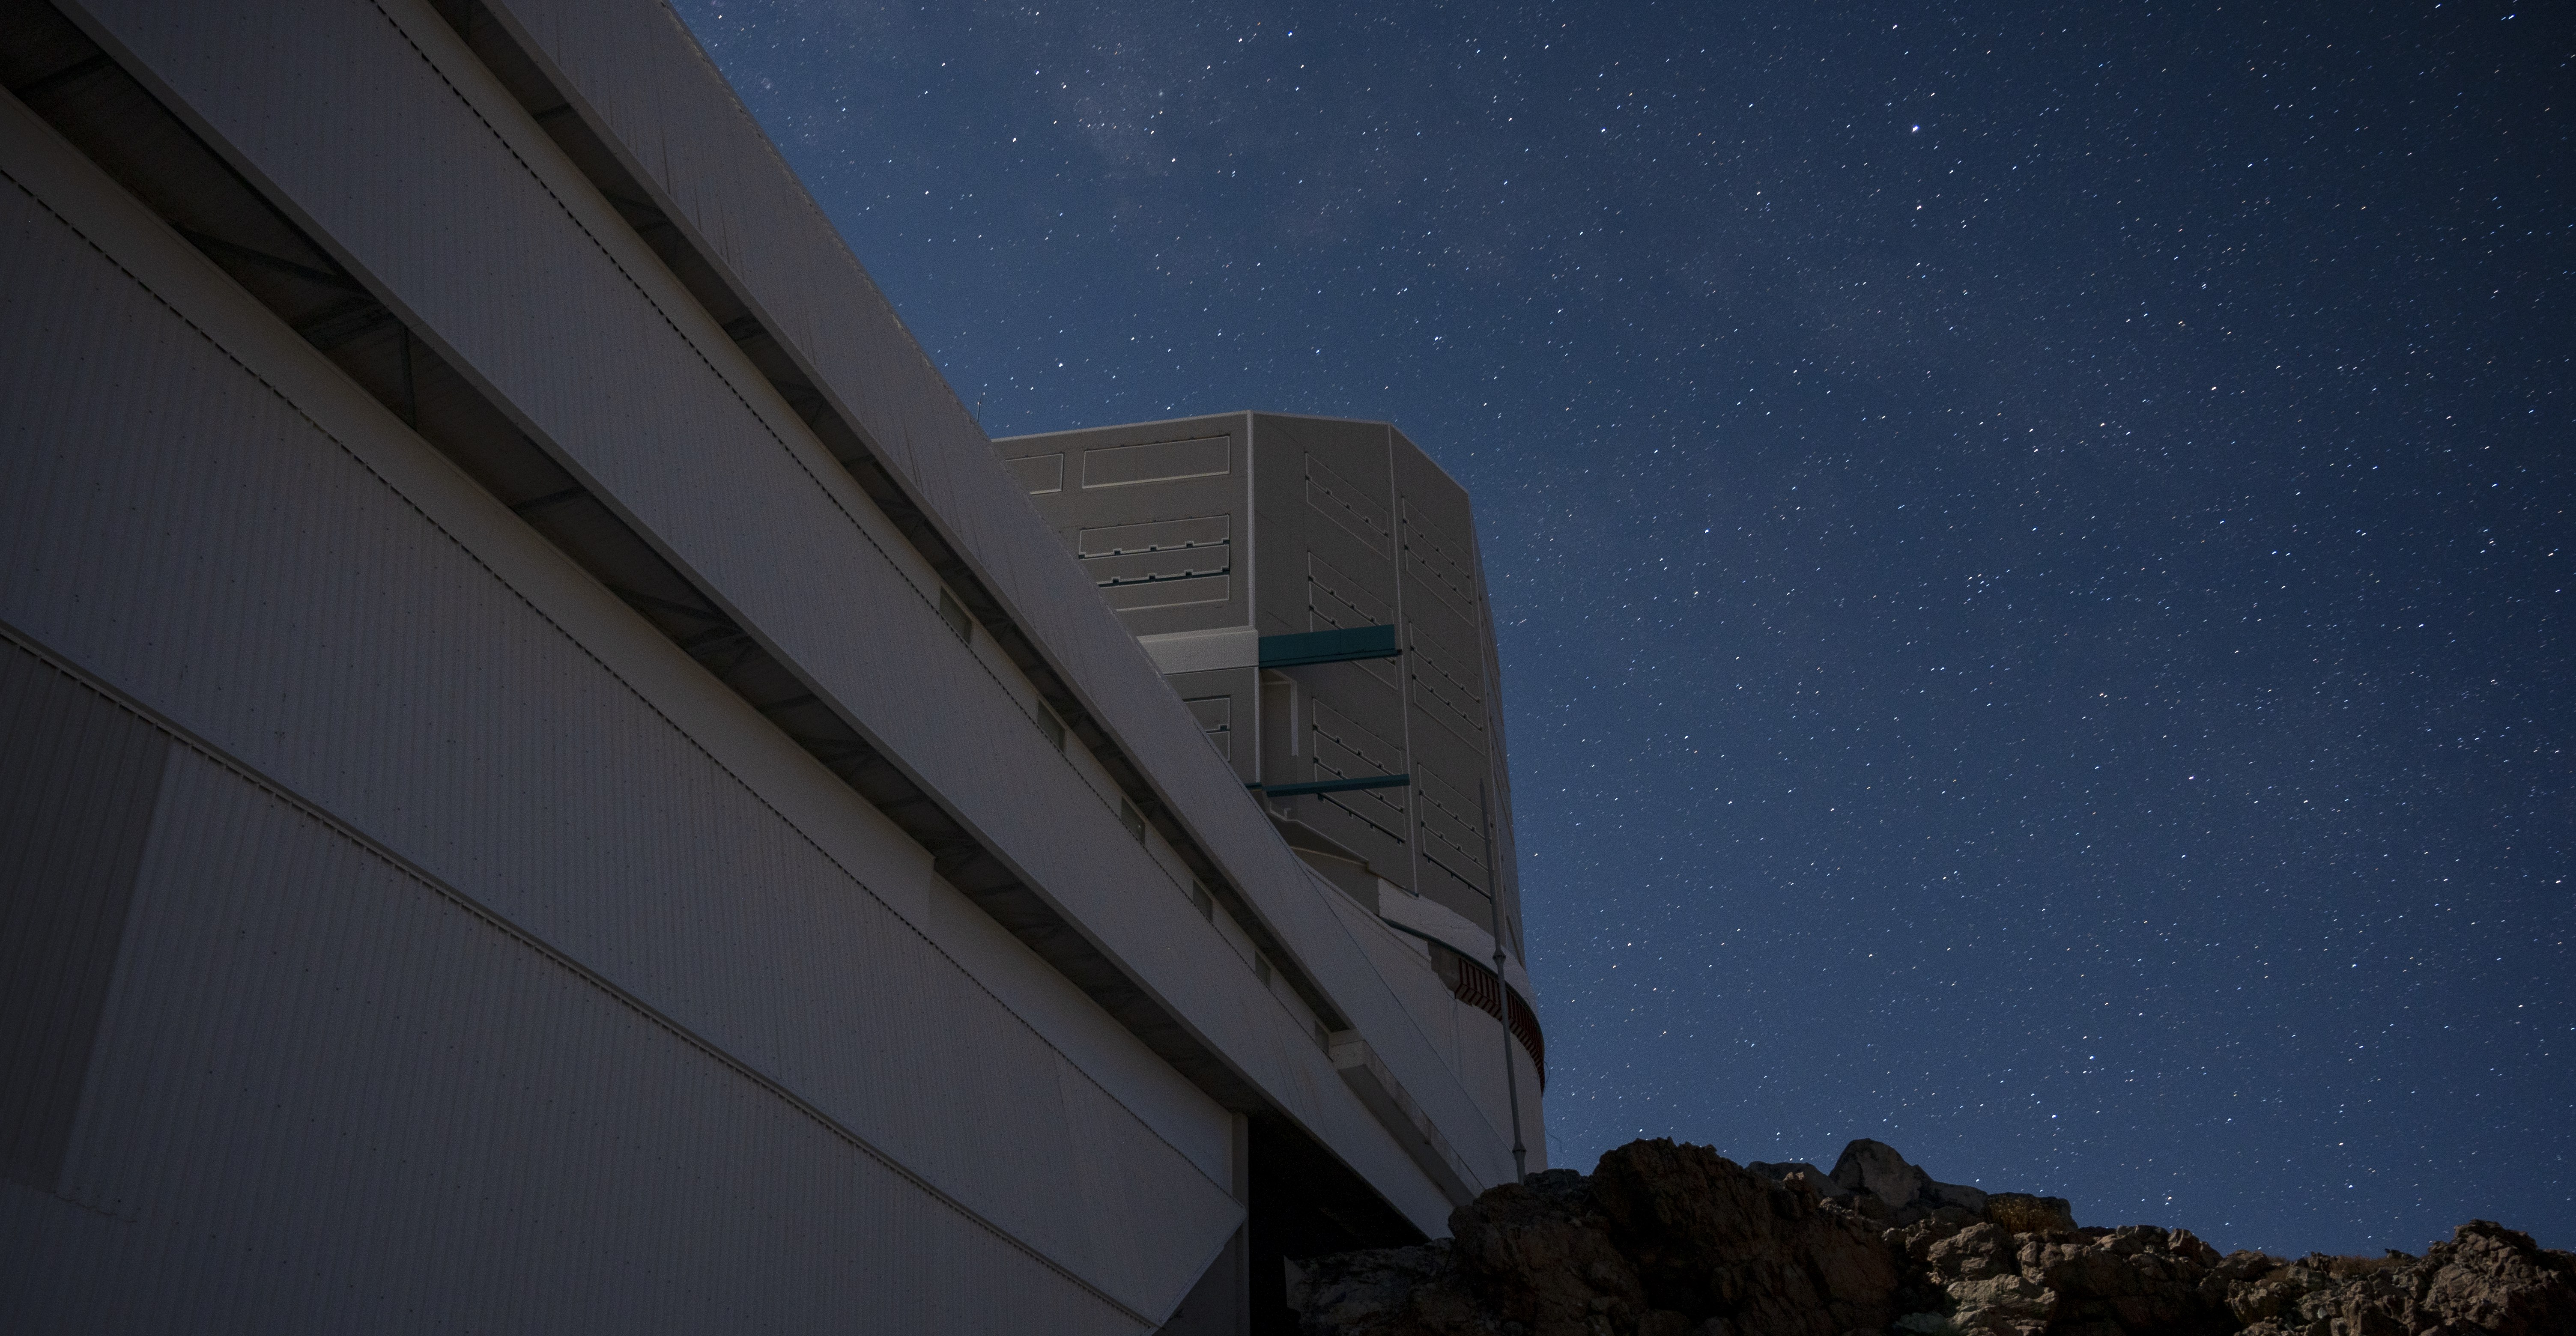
(1356, 528)
(79, 792)
(1379, 762)
(631, 71)
(1469, 1038)
(292, 1010)
(434, 623)
(1167, 511)
(1451, 709)
(281, 588)
(628, 67)
(729, 497)
(1226, 704)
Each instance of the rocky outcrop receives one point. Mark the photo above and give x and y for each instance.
(2139, 1279)
(1674, 1240)
(2101, 1282)
(2486, 1279)
(1659, 1240)
(1873, 1179)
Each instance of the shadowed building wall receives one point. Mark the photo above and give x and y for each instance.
(553, 778)
(1311, 588)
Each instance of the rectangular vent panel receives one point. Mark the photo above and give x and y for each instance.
(1345, 504)
(1038, 473)
(1165, 461)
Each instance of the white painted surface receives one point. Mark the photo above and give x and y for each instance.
(200, 510)
(294, 1015)
(634, 72)
(1447, 926)
(661, 417)
(1202, 651)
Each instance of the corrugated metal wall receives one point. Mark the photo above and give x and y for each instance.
(1409, 532)
(328, 1097)
(631, 70)
(637, 392)
(1447, 710)
(189, 529)
(1469, 1038)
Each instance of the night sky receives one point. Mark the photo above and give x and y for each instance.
(2031, 542)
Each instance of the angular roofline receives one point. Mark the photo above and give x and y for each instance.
(1437, 466)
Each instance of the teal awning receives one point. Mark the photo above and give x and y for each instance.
(1342, 646)
(1334, 785)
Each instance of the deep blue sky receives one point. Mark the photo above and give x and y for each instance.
(2032, 541)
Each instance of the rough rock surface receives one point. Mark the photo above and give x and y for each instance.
(1660, 1239)
(1674, 1240)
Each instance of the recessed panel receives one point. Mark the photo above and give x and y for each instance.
(1438, 556)
(1336, 601)
(1226, 703)
(79, 779)
(1347, 504)
(1215, 715)
(1167, 593)
(1159, 536)
(1161, 461)
(1450, 827)
(1038, 474)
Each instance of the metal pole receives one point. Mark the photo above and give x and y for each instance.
(1502, 985)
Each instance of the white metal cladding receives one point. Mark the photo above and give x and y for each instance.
(366, 629)
(1308, 496)
(640, 79)
(628, 381)
(1469, 1038)
(293, 1011)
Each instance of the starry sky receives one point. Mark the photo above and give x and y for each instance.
(2031, 542)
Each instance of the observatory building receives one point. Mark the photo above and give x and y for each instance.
(1311, 589)
(552, 778)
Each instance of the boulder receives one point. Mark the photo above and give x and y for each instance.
(1875, 1169)
(2024, 1213)
(1817, 1179)
(2498, 1280)
(1711, 1239)
(1665, 1239)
